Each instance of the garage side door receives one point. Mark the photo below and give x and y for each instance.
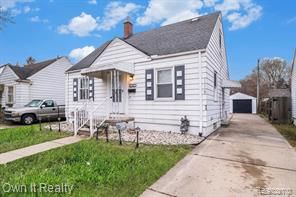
(242, 106)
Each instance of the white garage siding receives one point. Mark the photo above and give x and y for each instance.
(241, 96)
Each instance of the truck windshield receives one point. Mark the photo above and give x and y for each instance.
(34, 103)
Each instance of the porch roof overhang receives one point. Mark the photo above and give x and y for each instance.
(97, 70)
(230, 84)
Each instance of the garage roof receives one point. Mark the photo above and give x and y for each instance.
(240, 95)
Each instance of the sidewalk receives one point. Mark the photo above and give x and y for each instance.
(38, 148)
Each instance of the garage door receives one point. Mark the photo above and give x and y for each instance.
(242, 106)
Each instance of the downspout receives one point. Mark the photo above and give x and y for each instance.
(200, 95)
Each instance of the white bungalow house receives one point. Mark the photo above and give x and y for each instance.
(154, 78)
(42, 80)
(293, 88)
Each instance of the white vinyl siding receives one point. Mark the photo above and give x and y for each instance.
(7, 78)
(165, 114)
(10, 94)
(49, 83)
(215, 62)
(119, 51)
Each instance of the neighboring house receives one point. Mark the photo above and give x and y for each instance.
(41, 80)
(293, 88)
(155, 78)
(243, 103)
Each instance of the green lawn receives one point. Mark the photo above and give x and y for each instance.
(19, 137)
(95, 168)
(288, 131)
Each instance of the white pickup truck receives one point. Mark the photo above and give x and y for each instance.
(36, 110)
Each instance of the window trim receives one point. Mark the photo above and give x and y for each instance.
(85, 89)
(156, 98)
(215, 87)
(13, 94)
(220, 38)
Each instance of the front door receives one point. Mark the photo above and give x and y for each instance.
(118, 91)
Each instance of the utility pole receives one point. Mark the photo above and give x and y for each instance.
(258, 86)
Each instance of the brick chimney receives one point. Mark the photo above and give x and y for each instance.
(128, 27)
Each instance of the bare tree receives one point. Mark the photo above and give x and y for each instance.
(30, 60)
(5, 17)
(249, 86)
(275, 72)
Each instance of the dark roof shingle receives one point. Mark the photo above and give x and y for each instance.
(30, 69)
(188, 35)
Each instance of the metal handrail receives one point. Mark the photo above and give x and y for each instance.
(82, 116)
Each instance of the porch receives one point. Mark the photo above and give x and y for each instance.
(114, 109)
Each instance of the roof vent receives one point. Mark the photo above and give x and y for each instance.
(195, 19)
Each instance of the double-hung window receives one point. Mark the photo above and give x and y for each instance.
(164, 83)
(10, 94)
(84, 88)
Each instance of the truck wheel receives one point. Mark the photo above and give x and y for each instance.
(28, 119)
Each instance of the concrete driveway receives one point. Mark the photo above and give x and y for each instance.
(248, 158)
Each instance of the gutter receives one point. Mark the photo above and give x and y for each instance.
(24, 81)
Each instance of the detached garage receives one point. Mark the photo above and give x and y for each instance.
(242, 103)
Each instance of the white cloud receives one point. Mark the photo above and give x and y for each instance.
(114, 13)
(92, 2)
(169, 11)
(210, 3)
(9, 4)
(27, 9)
(37, 19)
(239, 13)
(79, 53)
(239, 21)
(81, 25)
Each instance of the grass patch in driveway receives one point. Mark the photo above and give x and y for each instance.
(95, 168)
(23, 136)
(288, 131)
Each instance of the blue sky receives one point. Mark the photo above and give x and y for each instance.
(47, 28)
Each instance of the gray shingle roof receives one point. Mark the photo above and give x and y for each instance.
(30, 69)
(88, 60)
(188, 35)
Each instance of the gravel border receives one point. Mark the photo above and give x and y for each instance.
(145, 136)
